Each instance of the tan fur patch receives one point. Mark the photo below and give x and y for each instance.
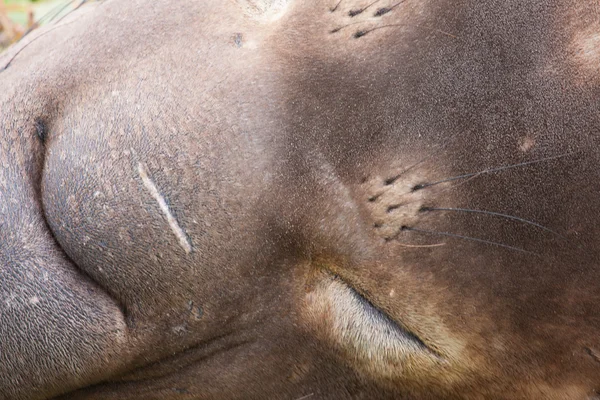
(581, 27)
(369, 339)
(526, 143)
(265, 10)
(373, 344)
(586, 51)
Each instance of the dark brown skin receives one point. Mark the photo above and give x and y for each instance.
(302, 200)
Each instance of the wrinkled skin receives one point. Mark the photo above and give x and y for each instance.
(237, 200)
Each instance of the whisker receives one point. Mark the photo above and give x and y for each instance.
(410, 192)
(339, 28)
(394, 178)
(468, 210)
(50, 15)
(61, 10)
(454, 235)
(353, 13)
(336, 6)
(490, 170)
(31, 41)
(82, 2)
(362, 33)
(390, 181)
(385, 10)
(374, 197)
(419, 245)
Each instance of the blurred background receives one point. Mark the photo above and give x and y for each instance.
(19, 17)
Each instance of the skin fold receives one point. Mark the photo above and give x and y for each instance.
(302, 200)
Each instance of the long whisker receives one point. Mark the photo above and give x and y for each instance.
(427, 157)
(418, 245)
(490, 170)
(82, 2)
(339, 28)
(11, 59)
(394, 178)
(385, 10)
(362, 33)
(454, 235)
(336, 6)
(468, 210)
(53, 13)
(61, 10)
(353, 13)
(400, 195)
(390, 181)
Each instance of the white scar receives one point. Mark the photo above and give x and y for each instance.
(184, 241)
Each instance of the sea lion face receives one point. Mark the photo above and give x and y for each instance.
(302, 200)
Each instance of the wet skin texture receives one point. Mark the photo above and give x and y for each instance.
(302, 200)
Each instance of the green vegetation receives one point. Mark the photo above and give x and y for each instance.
(17, 16)
(21, 8)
